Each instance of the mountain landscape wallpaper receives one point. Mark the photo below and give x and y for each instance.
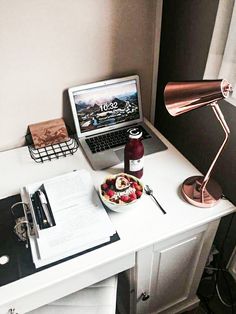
(107, 105)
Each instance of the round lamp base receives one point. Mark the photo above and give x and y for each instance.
(208, 198)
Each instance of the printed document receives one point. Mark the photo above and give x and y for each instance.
(81, 220)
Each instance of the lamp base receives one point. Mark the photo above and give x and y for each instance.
(210, 196)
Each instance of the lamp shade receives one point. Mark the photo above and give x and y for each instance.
(181, 97)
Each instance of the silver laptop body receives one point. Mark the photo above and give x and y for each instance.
(105, 107)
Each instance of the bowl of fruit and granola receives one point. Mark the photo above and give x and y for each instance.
(120, 191)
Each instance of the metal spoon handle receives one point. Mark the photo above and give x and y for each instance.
(161, 208)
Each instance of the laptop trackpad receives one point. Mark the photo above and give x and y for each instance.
(120, 153)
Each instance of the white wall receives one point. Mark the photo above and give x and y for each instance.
(47, 46)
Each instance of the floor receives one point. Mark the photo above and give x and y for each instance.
(210, 294)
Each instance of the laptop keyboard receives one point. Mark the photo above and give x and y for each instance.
(111, 140)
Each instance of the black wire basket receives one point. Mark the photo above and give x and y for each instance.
(54, 151)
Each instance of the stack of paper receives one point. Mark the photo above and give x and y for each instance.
(81, 221)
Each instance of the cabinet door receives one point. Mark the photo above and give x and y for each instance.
(143, 279)
(173, 270)
(166, 272)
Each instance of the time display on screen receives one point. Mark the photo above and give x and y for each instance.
(111, 106)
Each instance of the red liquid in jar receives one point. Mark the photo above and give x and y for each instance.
(134, 152)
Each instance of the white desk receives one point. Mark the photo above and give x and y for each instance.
(143, 230)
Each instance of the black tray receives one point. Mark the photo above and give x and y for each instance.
(51, 152)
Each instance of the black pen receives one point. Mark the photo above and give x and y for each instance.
(43, 218)
(37, 211)
(44, 205)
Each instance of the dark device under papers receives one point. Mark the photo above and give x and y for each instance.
(42, 209)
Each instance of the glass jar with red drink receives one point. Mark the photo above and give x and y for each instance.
(134, 152)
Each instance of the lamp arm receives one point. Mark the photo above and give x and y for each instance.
(226, 129)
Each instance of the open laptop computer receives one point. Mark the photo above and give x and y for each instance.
(103, 112)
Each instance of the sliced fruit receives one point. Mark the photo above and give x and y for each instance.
(121, 183)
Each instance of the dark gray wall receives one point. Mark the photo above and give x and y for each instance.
(185, 39)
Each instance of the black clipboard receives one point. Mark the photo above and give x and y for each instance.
(20, 262)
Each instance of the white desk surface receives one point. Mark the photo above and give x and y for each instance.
(139, 227)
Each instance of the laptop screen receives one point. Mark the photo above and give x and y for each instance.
(102, 106)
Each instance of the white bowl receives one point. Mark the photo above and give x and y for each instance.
(122, 206)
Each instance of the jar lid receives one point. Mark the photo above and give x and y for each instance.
(135, 133)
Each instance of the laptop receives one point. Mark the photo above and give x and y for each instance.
(103, 112)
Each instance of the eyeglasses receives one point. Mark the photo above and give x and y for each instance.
(21, 223)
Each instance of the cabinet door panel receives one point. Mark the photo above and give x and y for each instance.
(143, 275)
(174, 268)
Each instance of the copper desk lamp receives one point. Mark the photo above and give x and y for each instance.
(181, 97)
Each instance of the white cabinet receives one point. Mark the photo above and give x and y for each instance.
(167, 273)
(166, 253)
(232, 264)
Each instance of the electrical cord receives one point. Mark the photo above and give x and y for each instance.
(221, 250)
(221, 270)
(219, 296)
(20, 228)
(216, 291)
(217, 271)
(232, 302)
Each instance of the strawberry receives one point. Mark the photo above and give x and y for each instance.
(132, 197)
(134, 185)
(139, 193)
(124, 198)
(110, 193)
(138, 187)
(104, 186)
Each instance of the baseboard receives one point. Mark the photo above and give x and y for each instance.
(182, 307)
